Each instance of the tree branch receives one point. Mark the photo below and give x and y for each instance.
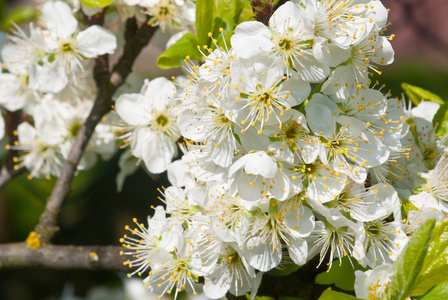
(18, 255)
(7, 175)
(107, 83)
(263, 10)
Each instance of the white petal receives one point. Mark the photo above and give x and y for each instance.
(140, 138)
(134, 109)
(58, 17)
(320, 119)
(179, 174)
(251, 39)
(300, 220)
(263, 257)
(50, 78)
(95, 41)
(10, 94)
(128, 165)
(217, 284)
(2, 126)
(298, 90)
(159, 152)
(285, 17)
(378, 13)
(249, 188)
(161, 91)
(298, 250)
(423, 200)
(425, 110)
(26, 134)
(261, 164)
(384, 51)
(338, 55)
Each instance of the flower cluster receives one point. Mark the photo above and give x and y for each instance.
(289, 153)
(44, 74)
(172, 14)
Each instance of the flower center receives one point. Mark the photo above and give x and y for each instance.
(163, 11)
(309, 169)
(73, 129)
(23, 82)
(374, 229)
(292, 131)
(233, 258)
(162, 120)
(285, 44)
(221, 119)
(263, 98)
(66, 47)
(429, 157)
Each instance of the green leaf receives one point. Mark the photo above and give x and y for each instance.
(26, 200)
(19, 15)
(288, 269)
(186, 45)
(332, 295)
(97, 3)
(227, 14)
(243, 11)
(417, 94)
(205, 20)
(228, 30)
(409, 263)
(342, 276)
(442, 129)
(440, 121)
(226, 10)
(419, 188)
(437, 293)
(259, 297)
(246, 15)
(211, 15)
(435, 265)
(441, 114)
(406, 206)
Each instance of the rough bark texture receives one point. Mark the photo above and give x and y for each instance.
(18, 255)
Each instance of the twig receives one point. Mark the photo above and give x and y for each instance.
(18, 255)
(136, 40)
(263, 10)
(7, 175)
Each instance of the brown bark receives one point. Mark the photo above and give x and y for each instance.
(18, 255)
